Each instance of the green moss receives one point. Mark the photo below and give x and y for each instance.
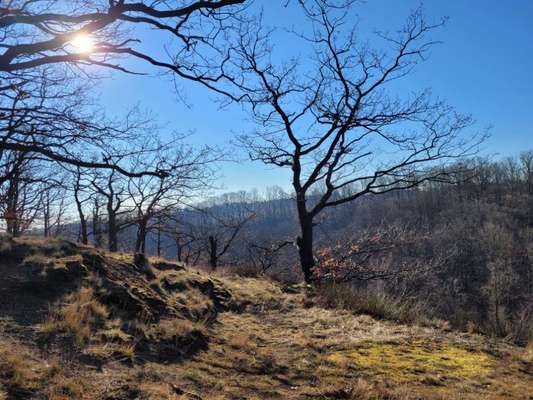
(408, 362)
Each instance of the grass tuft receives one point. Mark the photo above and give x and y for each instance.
(375, 303)
(79, 315)
(19, 371)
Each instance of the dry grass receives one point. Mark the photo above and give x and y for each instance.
(319, 354)
(257, 294)
(291, 352)
(24, 374)
(62, 388)
(104, 352)
(18, 369)
(196, 303)
(528, 353)
(308, 353)
(375, 303)
(5, 246)
(49, 247)
(175, 329)
(272, 342)
(113, 332)
(408, 362)
(158, 391)
(79, 315)
(245, 271)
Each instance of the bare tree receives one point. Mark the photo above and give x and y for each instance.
(221, 237)
(266, 257)
(331, 121)
(31, 195)
(155, 198)
(78, 189)
(21, 193)
(178, 227)
(47, 45)
(111, 187)
(96, 221)
(526, 160)
(53, 116)
(215, 227)
(54, 208)
(44, 32)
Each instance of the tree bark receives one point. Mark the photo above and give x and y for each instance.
(112, 230)
(305, 248)
(46, 216)
(305, 240)
(83, 230)
(179, 249)
(83, 222)
(13, 221)
(159, 239)
(84, 236)
(213, 258)
(140, 244)
(97, 231)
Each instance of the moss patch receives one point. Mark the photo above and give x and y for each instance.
(408, 362)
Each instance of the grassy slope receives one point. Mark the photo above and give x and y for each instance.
(262, 344)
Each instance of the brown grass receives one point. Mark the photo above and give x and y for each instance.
(174, 329)
(17, 368)
(271, 342)
(63, 388)
(373, 302)
(79, 314)
(306, 353)
(158, 391)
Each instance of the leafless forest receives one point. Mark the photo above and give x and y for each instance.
(462, 252)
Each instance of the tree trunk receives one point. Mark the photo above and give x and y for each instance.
(97, 231)
(112, 231)
(305, 240)
(83, 231)
(305, 248)
(46, 216)
(12, 214)
(143, 245)
(213, 259)
(179, 249)
(140, 244)
(84, 236)
(159, 240)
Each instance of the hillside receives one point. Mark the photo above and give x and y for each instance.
(79, 323)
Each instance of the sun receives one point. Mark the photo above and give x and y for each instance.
(83, 43)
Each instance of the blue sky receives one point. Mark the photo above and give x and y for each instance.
(483, 67)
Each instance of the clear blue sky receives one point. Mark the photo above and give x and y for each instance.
(483, 67)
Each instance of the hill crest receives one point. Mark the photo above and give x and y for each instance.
(75, 315)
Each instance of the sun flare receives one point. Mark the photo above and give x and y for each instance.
(83, 43)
